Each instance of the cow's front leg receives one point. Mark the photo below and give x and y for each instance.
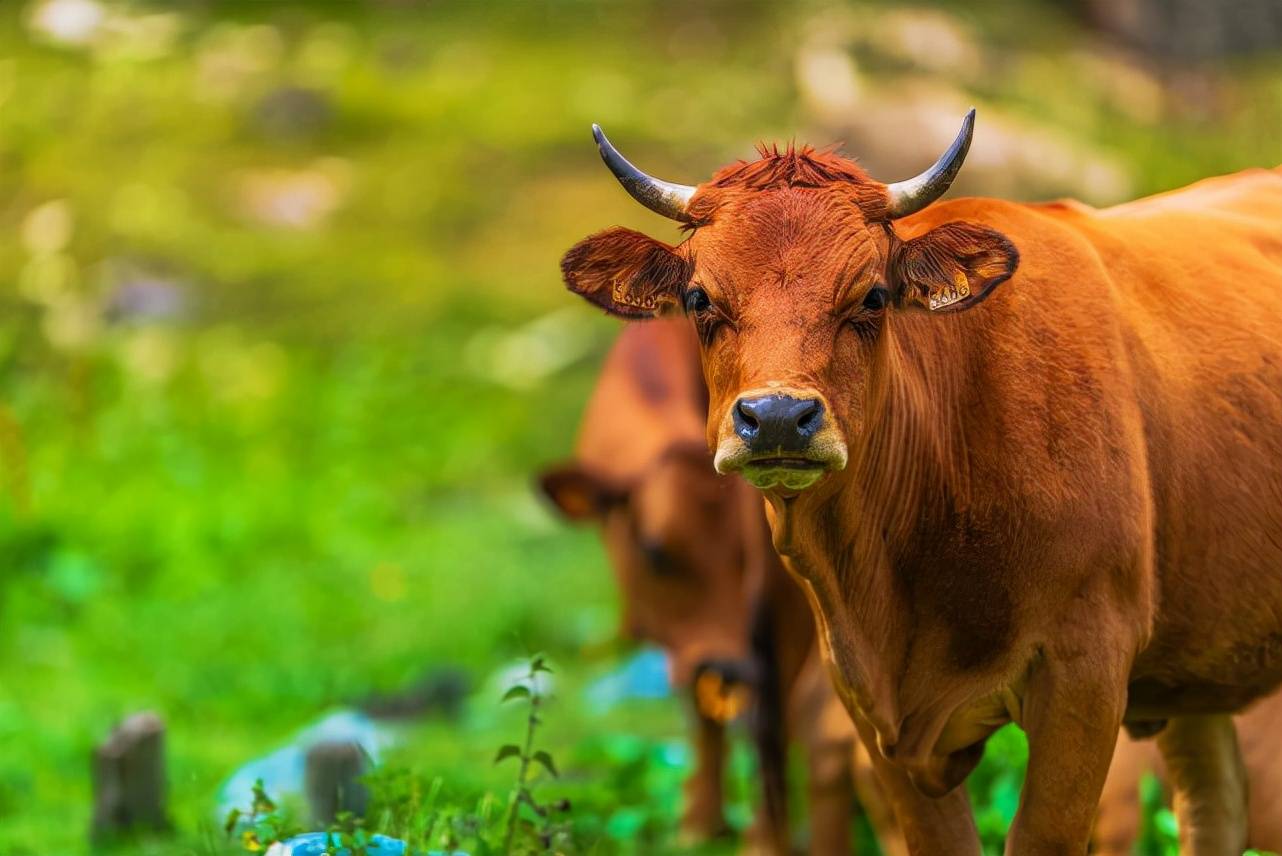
(1072, 710)
(928, 826)
(704, 816)
(832, 796)
(1118, 821)
(1209, 781)
(876, 807)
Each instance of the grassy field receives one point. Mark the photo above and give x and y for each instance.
(283, 341)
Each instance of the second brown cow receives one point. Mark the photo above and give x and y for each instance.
(698, 576)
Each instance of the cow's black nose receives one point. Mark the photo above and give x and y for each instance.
(777, 423)
(728, 671)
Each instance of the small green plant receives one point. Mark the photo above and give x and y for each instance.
(347, 833)
(263, 826)
(266, 824)
(549, 825)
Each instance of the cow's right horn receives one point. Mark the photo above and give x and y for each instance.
(661, 197)
(912, 195)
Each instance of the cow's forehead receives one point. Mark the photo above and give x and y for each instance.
(794, 237)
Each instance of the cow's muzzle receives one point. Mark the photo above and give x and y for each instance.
(780, 438)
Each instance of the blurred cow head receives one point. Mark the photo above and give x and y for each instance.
(673, 536)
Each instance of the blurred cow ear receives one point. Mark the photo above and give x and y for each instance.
(950, 268)
(577, 493)
(626, 273)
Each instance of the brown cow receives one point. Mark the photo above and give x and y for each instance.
(693, 558)
(1259, 730)
(1062, 507)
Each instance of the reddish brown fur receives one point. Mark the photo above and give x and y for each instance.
(1064, 507)
(789, 167)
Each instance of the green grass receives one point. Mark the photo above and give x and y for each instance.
(313, 482)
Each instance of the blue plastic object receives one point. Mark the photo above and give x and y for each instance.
(644, 675)
(315, 844)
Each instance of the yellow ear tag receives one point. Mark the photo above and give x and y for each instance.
(950, 294)
(717, 700)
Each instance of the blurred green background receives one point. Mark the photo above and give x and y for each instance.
(283, 340)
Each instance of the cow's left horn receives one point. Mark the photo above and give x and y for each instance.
(661, 197)
(909, 197)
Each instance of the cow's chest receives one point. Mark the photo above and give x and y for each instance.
(926, 646)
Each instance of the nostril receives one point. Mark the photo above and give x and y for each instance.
(746, 422)
(730, 672)
(811, 418)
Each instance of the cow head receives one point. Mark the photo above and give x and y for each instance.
(792, 272)
(673, 536)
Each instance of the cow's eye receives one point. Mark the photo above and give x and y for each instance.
(659, 559)
(876, 299)
(697, 301)
(708, 319)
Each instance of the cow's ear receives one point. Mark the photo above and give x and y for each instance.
(951, 267)
(578, 493)
(626, 273)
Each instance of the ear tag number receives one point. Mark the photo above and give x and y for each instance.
(950, 294)
(619, 291)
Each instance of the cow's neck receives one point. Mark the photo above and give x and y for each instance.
(907, 473)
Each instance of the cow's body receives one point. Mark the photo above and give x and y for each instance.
(643, 432)
(1118, 825)
(1116, 430)
(1200, 292)
(1061, 506)
(1107, 431)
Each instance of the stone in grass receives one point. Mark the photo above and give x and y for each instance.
(332, 780)
(316, 844)
(129, 777)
